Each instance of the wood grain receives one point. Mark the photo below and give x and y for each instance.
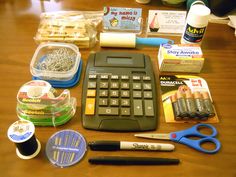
(19, 23)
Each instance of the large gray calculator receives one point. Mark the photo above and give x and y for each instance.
(119, 92)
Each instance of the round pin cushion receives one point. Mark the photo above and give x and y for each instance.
(65, 148)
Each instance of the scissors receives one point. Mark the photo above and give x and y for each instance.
(182, 137)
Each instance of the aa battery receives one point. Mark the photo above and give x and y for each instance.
(182, 105)
(201, 110)
(208, 104)
(191, 107)
(175, 107)
(188, 105)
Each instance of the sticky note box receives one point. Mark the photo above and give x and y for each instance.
(180, 58)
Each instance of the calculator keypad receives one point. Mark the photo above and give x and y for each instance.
(119, 96)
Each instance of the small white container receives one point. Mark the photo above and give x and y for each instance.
(41, 54)
(196, 24)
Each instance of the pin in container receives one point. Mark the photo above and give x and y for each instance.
(65, 148)
(22, 134)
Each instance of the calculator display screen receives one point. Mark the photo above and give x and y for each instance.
(120, 60)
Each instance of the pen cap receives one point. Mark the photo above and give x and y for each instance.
(104, 145)
(126, 40)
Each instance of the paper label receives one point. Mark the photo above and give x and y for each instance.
(122, 19)
(21, 131)
(162, 21)
(193, 34)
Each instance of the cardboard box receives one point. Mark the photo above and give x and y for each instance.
(180, 58)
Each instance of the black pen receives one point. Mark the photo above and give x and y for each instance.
(119, 145)
(118, 160)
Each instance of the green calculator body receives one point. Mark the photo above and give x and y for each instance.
(119, 92)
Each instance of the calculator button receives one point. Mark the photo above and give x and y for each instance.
(124, 77)
(103, 102)
(125, 102)
(108, 111)
(137, 86)
(92, 84)
(137, 94)
(104, 76)
(91, 93)
(103, 85)
(114, 85)
(114, 93)
(114, 102)
(146, 78)
(147, 86)
(147, 94)
(114, 77)
(103, 93)
(125, 111)
(92, 76)
(125, 94)
(136, 78)
(148, 106)
(90, 106)
(124, 85)
(138, 109)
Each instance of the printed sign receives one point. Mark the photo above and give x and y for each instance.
(168, 22)
(122, 19)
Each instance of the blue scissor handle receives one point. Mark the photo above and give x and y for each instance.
(153, 41)
(196, 144)
(182, 137)
(193, 131)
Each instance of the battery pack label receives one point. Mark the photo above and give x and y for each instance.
(193, 34)
(187, 99)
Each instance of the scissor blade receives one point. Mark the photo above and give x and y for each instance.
(161, 136)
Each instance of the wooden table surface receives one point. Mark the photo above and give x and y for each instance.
(19, 22)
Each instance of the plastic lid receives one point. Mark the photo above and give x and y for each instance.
(41, 55)
(65, 148)
(190, 3)
(198, 14)
(21, 131)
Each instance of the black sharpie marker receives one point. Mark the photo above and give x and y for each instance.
(125, 145)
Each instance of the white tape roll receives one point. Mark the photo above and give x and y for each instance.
(126, 40)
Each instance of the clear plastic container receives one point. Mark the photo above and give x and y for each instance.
(55, 61)
(77, 27)
(38, 102)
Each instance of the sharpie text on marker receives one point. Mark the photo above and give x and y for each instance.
(125, 145)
